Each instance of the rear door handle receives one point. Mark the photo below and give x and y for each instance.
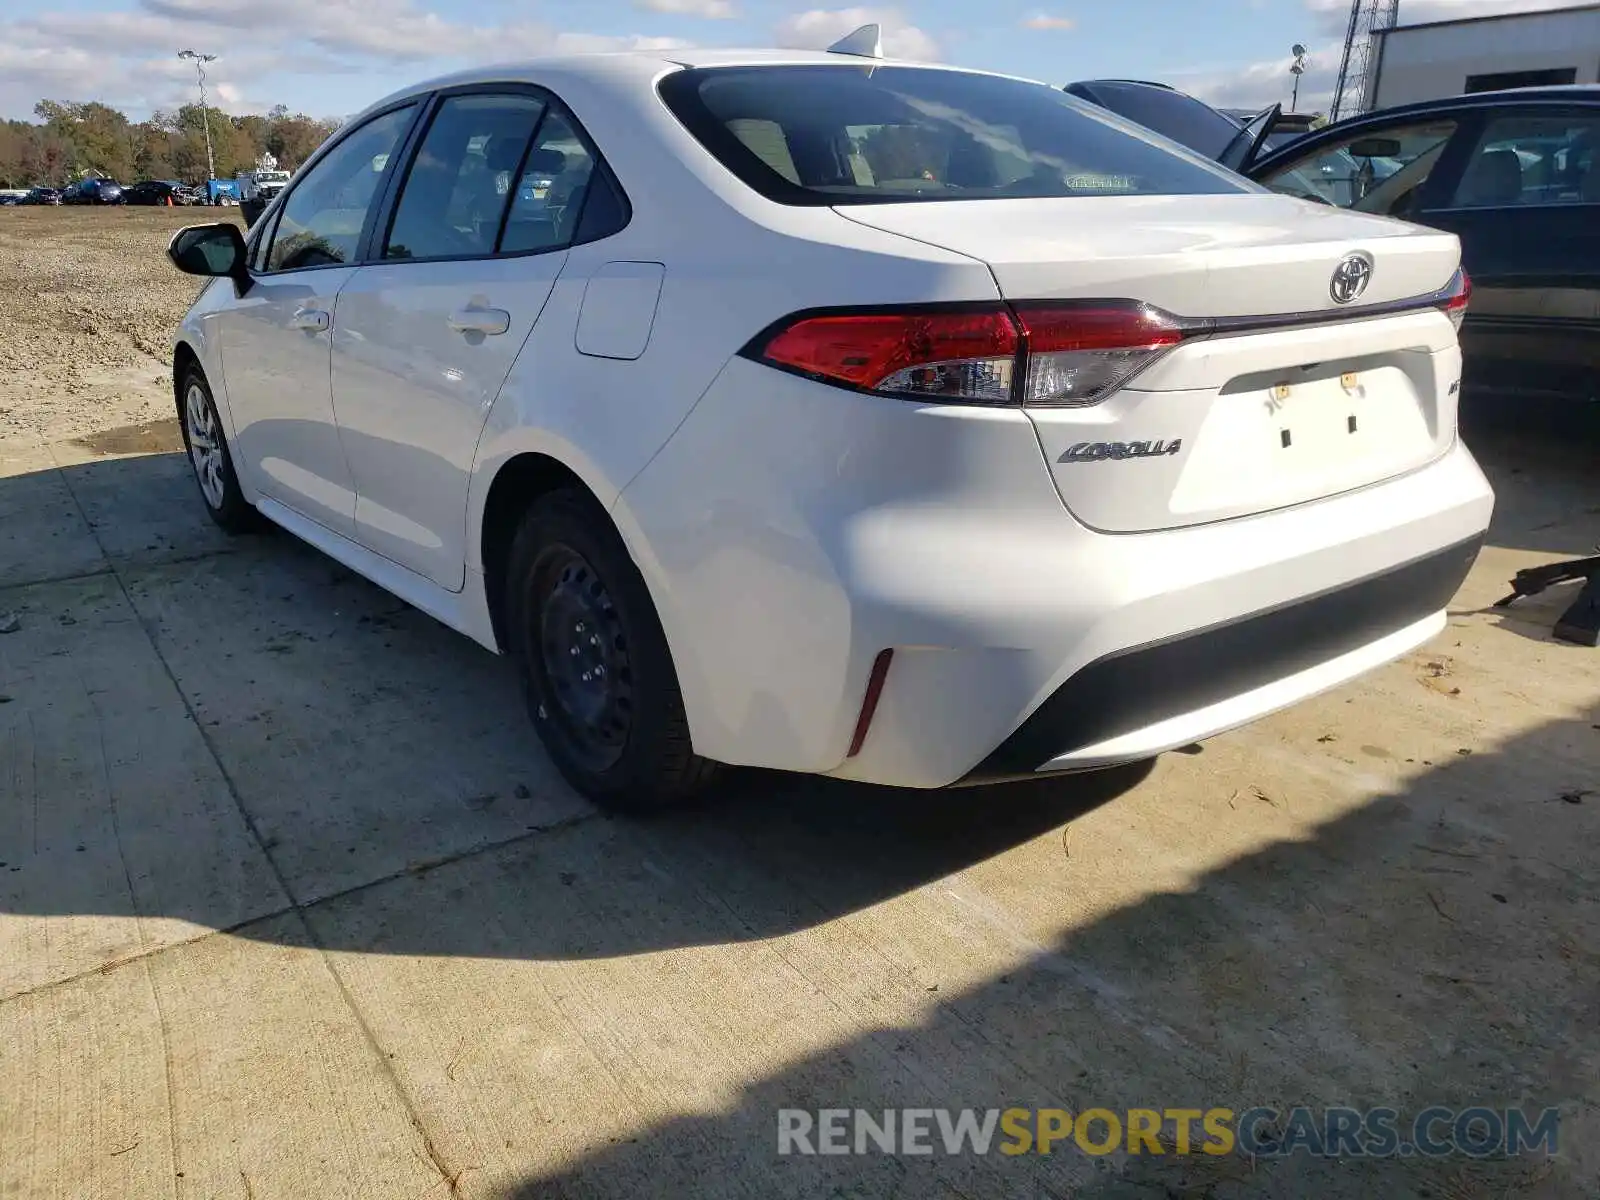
(480, 320)
(309, 318)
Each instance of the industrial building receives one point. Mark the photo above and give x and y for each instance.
(1480, 54)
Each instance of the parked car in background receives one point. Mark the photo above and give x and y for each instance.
(43, 195)
(1512, 173)
(187, 194)
(11, 197)
(151, 191)
(1286, 126)
(93, 191)
(1179, 116)
(500, 347)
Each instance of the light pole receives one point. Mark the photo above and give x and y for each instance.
(200, 61)
(1297, 69)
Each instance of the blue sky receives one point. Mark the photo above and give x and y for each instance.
(331, 57)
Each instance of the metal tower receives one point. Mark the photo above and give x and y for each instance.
(1349, 94)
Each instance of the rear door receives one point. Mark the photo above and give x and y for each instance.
(1526, 205)
(428, 330)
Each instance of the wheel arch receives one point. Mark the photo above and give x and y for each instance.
(517, 484)
(184, 356)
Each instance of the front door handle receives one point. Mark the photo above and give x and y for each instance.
(313, 319)
(480, 320)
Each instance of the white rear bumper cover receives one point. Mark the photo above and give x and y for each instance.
(836, 525)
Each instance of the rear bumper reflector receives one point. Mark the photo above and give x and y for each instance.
(869, 702)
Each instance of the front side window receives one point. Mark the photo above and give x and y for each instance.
(457, 189)
(322, 218)
(1374, 172)
(1532, 160)
(825, 135)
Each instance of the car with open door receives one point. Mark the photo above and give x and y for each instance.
(1514, 174)
(827, 413)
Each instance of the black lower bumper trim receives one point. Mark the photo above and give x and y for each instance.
(1132, 689)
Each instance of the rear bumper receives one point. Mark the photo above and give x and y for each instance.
(790, 533)
(1137, 702)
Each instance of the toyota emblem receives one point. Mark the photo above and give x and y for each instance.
(1350, 278)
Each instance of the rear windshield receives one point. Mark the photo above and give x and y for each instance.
(858, 135)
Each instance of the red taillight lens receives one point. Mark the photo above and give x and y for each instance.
(1080, 353)
(1457, 298)
(965, 356)
(1067, 353)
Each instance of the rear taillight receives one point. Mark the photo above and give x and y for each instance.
(1080, 354)
(962, 356)
(1457, 297)
(1053, 354)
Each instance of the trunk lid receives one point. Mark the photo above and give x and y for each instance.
(1294, 397)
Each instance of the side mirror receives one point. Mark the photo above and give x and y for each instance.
(1374, 147)
(210, 250)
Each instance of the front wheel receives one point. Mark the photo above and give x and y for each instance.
(207, 447)
(593, 660)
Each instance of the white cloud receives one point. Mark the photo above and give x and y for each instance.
(129, 57)
(1044, 21)
(714, 10)
(818, 28)
(1258, 84)
(1333, 16)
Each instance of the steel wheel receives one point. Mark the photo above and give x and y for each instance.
(205, 444)
(583, 656)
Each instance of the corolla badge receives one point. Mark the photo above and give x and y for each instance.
(1116, 451)
(1350, 278)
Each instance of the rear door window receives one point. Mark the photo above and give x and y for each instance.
(551, 191)
(1523, 161)
(456, 192)
(843, 134)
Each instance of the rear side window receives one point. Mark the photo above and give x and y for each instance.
(550, 195)
(457, 188)
(1540, 160)
(859, 135)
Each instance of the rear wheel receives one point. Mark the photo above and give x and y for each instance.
(593, 660)
(209, 457)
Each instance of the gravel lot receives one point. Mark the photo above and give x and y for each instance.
(291, 904)
(87, 304)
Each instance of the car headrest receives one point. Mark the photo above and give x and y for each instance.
(1590, 191)
(502, 153)
(546, 162)
(1493, 178)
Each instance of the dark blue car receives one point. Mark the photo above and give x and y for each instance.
(1514, 174)
(93, 191)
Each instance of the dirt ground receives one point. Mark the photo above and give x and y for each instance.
(292, 905)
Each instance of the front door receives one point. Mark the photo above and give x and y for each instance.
(276, 342)
(427, 332)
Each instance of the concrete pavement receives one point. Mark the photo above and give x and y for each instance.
(292, 905)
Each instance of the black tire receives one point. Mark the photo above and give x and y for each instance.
(593, 661)
(212, 465)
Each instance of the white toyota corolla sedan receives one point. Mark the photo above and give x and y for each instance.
(821, 412)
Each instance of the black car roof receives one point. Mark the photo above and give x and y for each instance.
(1529, 97)
(1588, 93)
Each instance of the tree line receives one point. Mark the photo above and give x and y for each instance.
(71, 140)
